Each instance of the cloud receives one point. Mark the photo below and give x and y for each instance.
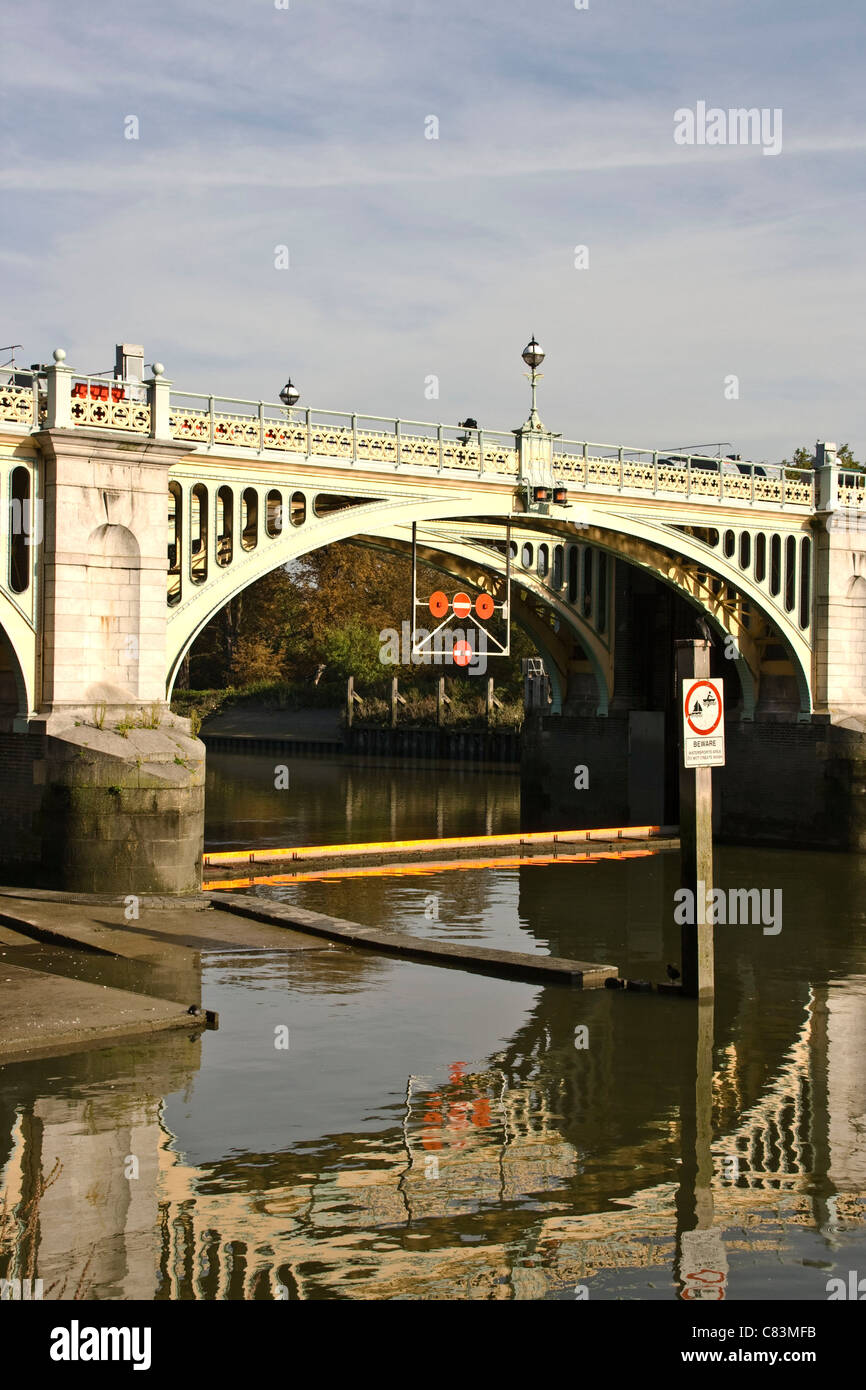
(411, 256)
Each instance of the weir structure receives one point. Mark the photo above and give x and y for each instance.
(133, 512)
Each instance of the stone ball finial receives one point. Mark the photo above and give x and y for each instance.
(157, 368)
(59, 355)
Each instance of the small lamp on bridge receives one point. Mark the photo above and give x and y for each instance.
(290, 395)
(560, 496)
(541, 494)
(533, 355)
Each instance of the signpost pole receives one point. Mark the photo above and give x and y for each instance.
(696, 836)
(414, 617)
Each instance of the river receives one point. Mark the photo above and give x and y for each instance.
(427, 1133)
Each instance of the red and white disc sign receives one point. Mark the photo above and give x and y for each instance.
(462, 605)
(438, 604)
(462, 653)
(484, 606)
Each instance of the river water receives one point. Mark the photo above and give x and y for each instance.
(362, 1127)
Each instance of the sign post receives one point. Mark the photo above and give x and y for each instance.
(702, 747)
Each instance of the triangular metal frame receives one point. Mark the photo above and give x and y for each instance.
(500, 648)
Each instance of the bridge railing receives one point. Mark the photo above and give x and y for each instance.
(22, 397)
(700, 476)
(110, 403)
(57, 395)
(851, 489)
(261, 426)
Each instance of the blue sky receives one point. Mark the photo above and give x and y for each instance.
(411, 257)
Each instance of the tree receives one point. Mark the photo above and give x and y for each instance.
(803, 458)
(327, 609)
(269, 612)
(846, 458)
(352, 650)
(254, 660)
(807, 458)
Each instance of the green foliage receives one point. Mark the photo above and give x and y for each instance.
(806, 458)
(254, 659)
(308, 626)
(803, 458)
(151, 720)
(353, 650)
(846, 458)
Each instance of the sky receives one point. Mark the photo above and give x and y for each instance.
(305, 125)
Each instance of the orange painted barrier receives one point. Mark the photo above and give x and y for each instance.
(430, 867)
(257, 856)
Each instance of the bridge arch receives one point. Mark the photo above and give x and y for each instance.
(304, 533)
(16, 638)
(725, 588)
(466, 568)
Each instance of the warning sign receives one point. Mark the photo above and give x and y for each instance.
(703, 722)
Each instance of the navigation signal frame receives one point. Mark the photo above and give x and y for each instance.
(495, 647)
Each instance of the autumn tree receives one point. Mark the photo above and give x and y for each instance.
(806, 458)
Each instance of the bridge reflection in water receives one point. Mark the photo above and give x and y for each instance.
(521, 1176)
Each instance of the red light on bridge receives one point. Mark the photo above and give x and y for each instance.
(97, 392)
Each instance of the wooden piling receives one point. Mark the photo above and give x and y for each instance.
(696, 835)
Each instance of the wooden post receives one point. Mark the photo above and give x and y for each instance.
(489, 699)
(393, 702)
(696, 835)
(350, 701)
(440, 701)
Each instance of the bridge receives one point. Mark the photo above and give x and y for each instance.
(99, 606)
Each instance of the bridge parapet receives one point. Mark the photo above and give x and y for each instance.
(695, 476)
(57, 396)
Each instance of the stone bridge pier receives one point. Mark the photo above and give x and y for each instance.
(104, 786)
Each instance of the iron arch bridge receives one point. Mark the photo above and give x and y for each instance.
(751, 578)
(251, 486)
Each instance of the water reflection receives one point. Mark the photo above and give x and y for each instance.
(341, 801)
(433, 1134)
(536, 1171)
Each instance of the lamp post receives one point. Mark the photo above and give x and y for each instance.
(290, 395)
(533, 355)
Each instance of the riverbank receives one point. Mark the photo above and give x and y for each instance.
(262, 728)
(78, 974)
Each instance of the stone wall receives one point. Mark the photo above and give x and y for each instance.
(784, 783)
(103, 812)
